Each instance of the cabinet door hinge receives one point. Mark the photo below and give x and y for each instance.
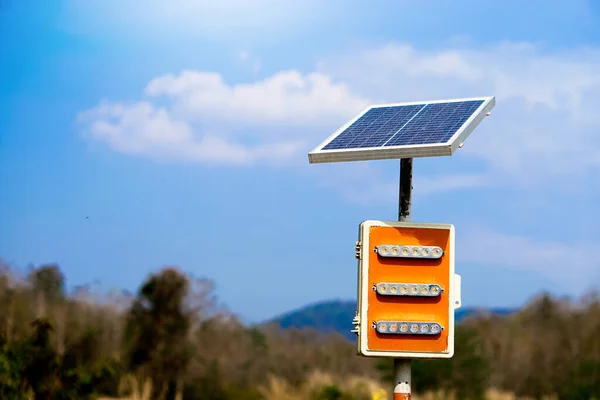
(357, 250)
(356, 323)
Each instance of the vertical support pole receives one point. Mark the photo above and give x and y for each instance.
(402, 379)
(402, 367)
(405, 195)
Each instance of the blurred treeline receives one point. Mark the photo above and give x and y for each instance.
(173, 340)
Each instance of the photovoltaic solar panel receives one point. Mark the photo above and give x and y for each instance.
(405, 130)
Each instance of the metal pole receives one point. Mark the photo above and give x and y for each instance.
(402, 374)
(402, 366)
(405, 195)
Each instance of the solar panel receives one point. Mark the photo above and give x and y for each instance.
(404, 130)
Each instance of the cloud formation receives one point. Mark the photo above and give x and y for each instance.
(544, 123)
(287, 98)
(206, 120)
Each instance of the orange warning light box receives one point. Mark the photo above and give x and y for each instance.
(407, 290)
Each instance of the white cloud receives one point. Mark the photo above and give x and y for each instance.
(570, 265)
(545, 122)
(544, 126)
(142, 129)
(287, 98)
(209, 121)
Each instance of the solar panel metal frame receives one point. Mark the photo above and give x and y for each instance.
(318, 155)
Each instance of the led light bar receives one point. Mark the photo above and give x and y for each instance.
(405, 251)
(408, 289)
(408, 328)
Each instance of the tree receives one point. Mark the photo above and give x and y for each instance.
(157, 331)
(11, 380)
(49, 281)
(470, 368)
(41, 361)
(583, 382)
(48, 285)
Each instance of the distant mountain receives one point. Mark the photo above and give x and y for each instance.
(337, 315)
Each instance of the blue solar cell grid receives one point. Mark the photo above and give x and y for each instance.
(406, 125)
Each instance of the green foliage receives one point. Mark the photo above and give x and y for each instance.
(429, 375)
(41, 363)
(333, 392)
(470, 369)
(211, 386)
(11, 371)
(208, 386)
(243, 393)
(32, 367)
(258, 339)
(583, 383)
(328, 392)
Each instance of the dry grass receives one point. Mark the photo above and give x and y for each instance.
(133, 388)
(278, 389)
(491, 394)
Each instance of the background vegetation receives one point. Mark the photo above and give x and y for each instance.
(172, 340)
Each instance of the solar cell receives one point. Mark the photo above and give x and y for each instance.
(405, 130)
(436, 123)
(374, 128)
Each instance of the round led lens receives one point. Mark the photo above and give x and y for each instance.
(425, 252)
(395, 250)
(424, 289)
(382, 288)
(416, 251)
(414, 289)
(424, 328)
(435, 289)
(405, 251)
(393, 328)
(435, 328)
(404, 289)
(394, 289)
(382, 327)
(383, 250)
(404, 328)
(414, 328)
(437, 252)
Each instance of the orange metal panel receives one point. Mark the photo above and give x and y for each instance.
(420, 309)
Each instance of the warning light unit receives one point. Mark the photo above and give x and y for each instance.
(407, 290)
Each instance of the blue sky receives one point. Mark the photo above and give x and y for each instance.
(182, 131)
